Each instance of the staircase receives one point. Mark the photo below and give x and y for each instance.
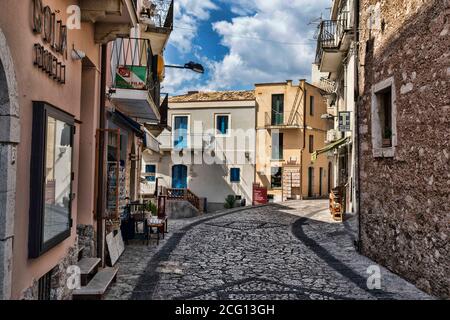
(95, 281)
(182, 203)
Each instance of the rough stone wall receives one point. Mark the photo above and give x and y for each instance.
(87, 239)
(59, 289)
(405, 200)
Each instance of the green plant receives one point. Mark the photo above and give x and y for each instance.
(152, 208)
(230, 201)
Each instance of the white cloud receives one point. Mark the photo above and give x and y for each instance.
(188, 15)
(267, 41)
(251, 60)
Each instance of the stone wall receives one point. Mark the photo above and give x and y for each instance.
(87, 240)
(405, 199)
(59, 276)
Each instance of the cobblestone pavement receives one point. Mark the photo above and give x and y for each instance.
(292, 250)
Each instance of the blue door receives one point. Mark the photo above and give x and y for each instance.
(179, 177)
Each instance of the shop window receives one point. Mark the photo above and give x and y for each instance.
(277, 146)
(235, 175)
(51, 178)
(276, 177)
(311, 144)
(222, 124)
(180, 126)
(150, 172)
(311, 105)
(384, 135)
(277, 109)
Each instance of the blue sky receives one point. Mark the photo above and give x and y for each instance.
(242, 42)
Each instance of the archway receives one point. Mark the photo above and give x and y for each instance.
(9, 138)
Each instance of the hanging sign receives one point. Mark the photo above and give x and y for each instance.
(131, 77)
(344, 121)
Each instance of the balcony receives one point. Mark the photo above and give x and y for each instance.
(274, 120)
(333, 40)
(135, 80)
(181, 141)
(156, 23)
(111, 18)
(327, 86)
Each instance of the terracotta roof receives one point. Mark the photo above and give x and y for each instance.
(196, 96)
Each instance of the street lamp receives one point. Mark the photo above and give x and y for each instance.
(327, 116)
(196, 67)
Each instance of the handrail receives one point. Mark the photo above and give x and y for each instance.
(183, 194)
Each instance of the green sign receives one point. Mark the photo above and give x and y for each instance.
(131, 77)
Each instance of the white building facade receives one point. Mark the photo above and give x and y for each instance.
(209, 149)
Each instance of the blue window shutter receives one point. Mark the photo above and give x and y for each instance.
(235, 175)
(181, 126)
(222, 124)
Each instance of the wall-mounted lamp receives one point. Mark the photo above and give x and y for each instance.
(77, 54)
(196, 67)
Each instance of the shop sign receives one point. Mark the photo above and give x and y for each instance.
(259, 194)
(131, 77)
(54, 33)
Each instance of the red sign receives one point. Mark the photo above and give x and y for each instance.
(259, 194)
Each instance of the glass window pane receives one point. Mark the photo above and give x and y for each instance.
(180, 132)
(58, 178)
(222, 124)
(276, 177)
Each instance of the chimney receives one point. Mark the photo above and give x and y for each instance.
(192, 92)
(289, 83)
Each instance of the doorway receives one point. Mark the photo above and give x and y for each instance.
(310, 182)
(179, 176)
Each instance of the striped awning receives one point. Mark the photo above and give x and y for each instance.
(331, 146)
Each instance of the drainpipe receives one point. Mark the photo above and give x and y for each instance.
(101, 173)
(302, 151)
(356, 122)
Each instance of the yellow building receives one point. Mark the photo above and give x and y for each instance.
(289, 130)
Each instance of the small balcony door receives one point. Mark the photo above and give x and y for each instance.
(179, 176)
(180, 134)
(277, 109)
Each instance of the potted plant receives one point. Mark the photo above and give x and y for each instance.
(387, 138)
(230, 202)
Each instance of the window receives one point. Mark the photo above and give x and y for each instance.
(235, 175)
(277, 109)
(276, 177)
(150, 172)
(384, 135)
(181, 126)
(222, 124)
(277, 146)
(311, 105)
(311, 144)
(51, 178)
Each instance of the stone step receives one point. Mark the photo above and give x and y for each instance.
(88, 267)
(97, 287)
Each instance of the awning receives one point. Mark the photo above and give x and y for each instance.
(331, 146)
(122, 119)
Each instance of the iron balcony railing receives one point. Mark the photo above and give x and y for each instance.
(158, 14)
(327, 85)
(277, 119)
(330, 35)
(133, 66)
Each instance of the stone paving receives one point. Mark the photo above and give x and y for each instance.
(292, 250)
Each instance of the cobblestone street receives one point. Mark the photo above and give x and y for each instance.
(292, 250)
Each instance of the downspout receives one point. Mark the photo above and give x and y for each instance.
(302, 151)
(356, 122)
(101, 174)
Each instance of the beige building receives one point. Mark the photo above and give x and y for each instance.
(289, 129)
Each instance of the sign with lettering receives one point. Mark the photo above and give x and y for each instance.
(259, 195)
(53, 33)
(344, 121)
(131, 77)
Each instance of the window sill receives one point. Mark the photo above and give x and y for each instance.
(386, 152)
(277, 160)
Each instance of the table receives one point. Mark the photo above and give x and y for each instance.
(155, 223)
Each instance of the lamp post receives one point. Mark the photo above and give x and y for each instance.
(196, 67)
